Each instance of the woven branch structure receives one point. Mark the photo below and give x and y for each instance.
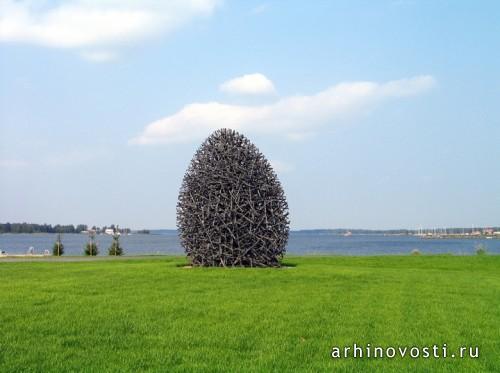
(232, 210)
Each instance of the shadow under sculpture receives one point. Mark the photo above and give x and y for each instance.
(232, 210)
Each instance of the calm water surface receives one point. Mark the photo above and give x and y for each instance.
(300, 243)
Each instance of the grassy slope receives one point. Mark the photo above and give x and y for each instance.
(145, 314)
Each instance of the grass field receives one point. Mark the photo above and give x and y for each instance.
(151, 314)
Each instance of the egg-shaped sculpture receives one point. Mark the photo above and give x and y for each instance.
(232, 210)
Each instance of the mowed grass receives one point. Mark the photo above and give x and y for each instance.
(150, 314)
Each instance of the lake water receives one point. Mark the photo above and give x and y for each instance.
(300, 243)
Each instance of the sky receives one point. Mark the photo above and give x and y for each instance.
(374, 114)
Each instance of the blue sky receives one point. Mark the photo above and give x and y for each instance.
(376, 114)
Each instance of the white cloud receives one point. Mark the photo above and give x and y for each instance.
(12, 163)
(287, 116)
(250, 84)
(86, 24)
(281, 167)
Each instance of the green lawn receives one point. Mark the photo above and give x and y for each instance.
(150, 314)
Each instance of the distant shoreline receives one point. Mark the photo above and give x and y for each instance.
(333, 232)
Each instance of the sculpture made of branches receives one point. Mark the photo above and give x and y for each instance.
(232, 209)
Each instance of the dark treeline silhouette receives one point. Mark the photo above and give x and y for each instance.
(48, 228)
(40, 228)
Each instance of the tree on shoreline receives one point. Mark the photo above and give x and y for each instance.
(58, 248)
(40, 228)
(91, 246)
(115, 249)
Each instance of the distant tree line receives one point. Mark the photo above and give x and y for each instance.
(40, 228)
(48, 228)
